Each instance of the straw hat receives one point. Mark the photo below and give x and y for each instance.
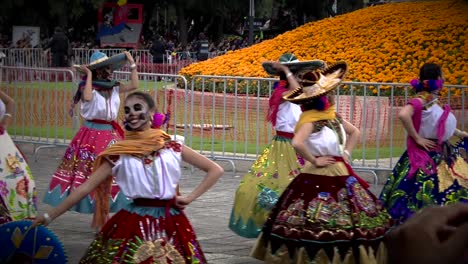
(294, 65)
(317, 83)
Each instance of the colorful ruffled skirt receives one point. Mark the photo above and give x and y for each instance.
(262, 185)
(146, 235)
(324, 219)
(77, 164)
(17, 187)
(403, 195)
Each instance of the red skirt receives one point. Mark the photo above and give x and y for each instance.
(150, 231)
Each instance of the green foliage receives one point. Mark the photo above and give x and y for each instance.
(47, 12)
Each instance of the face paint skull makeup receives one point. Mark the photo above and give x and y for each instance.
(137, 115)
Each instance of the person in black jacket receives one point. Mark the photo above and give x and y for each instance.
(202, 46)
(158, 50)
(59, 47)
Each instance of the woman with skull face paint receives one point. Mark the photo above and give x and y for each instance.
(434, 168)
(147, 167)
(100, 102)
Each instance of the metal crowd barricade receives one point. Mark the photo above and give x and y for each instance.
(43, 114)
(374, 110)
(227, 118)
(3, 54)
(144, 59)
(42, 103)
(26, 57)
(222, 117)
(38, 58)
(82, 55)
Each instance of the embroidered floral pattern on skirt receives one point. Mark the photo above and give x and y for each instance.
(319, 218)
(140, 236)
(17, 186)
(76, 166)
(403, 195)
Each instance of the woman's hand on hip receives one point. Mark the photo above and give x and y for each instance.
(426, 144)
(323, 161)
(182, 202)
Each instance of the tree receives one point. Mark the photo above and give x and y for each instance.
(47, 14)
(346, 6)
(209, 16)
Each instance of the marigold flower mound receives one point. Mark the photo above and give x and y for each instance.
(384, 43)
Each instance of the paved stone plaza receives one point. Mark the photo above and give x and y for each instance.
(209, 215)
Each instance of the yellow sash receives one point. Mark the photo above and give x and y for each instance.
(313, 115)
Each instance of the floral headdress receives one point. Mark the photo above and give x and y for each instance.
(426, 85)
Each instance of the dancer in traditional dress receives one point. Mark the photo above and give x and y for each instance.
(147, 167)
(100, 102)
(434, 168)
(326, 214)
(278, 164)
(17, 187)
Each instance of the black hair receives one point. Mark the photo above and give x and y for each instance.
(94, 73)
(146, 97)
(430, 71)
(282, 76)
(320, 103)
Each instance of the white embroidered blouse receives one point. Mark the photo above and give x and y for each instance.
(100, 107)
(430, 119)
(287, 117)
(155, 176)
(326, 142)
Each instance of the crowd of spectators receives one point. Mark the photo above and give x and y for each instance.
(156, 46)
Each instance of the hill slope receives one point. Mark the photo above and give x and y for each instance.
(384, 43)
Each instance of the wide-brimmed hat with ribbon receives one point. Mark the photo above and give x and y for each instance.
(99, 60)
(294, 65)
(317, 83)
(22, 243)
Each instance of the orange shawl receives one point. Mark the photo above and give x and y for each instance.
(139, 144)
